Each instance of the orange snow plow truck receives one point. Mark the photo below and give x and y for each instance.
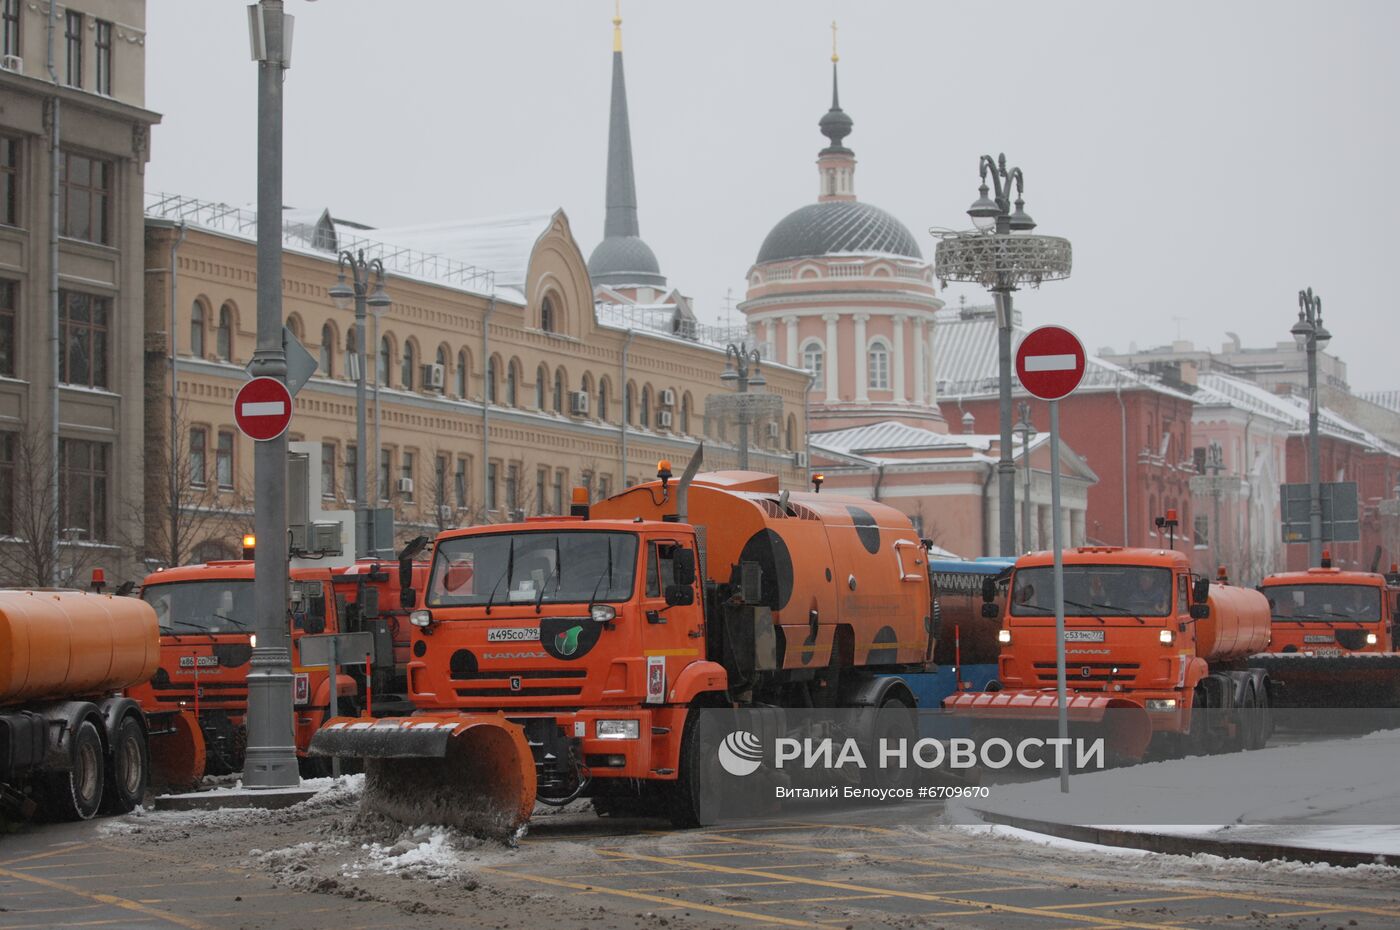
(1148, 648)
(1335, 637)
(70, 744)
(565, 657)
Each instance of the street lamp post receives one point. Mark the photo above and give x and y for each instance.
(344, 293)
(1311, 335)
(1001, 254)
(742, 364)
(1026, 430)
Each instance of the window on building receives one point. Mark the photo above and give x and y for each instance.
(491, 380)
(384, 362)
(603, 399)
(223, 460)
(198, 445)
(442, 366)
(644, 413)
(406, 475)
(328, 469)
(86, 185)
(878, 367)
(83, 483)
(10, 14)
(440, 487)
(459, 483)
(386, 469)
(82, 333)
(352, 355)
(326, 362)
(1200, 532)
(491, 476)
(409, 360)
(352, 473)
(561, 478)
(462, 374)
(541, 385)
(604, 487)
(627, 398)
(512, 383)
(104, 57)
(197, 329)
(9, 312)
(685, 414)
(559, 391)
(585, 479)
(73, 36)
(223, 336)
(541, 489)
(547, 319)
(7, 483)
(813, 358)
(512, 487)
(9, 181)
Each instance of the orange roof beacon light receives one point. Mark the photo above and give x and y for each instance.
(250, 545)
(817, 480)
(663, 471)
(1169, 523)
(578, 506)
(1326, 558)
(99, 580)
(1222, 576)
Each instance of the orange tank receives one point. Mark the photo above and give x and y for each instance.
(58, 644)
(1238, 624)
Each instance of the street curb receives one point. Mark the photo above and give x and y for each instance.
(1189, 845)
(265, 799)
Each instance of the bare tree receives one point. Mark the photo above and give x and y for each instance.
(36, 515)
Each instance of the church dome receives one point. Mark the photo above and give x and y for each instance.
(625, 260)
(836, 226)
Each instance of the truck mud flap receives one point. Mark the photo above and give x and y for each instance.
(1123, 723)
(178, 750)
(472, 771)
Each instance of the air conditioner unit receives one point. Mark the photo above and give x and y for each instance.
(774, 431)
(578, 403)
(663, 419)
(434, 376)
(799, 459)
(405, 485)
(12, 63)
(668, 398)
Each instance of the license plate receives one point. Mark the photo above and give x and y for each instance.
(1317, 639)
(513, 634)
(1083, 636)
(204, 661)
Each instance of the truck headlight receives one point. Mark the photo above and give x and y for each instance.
(421, 618)
(1371, 639)
(602, 613)
(1161, 704)
(1165, 637)
(1003, 636)
(619, 729)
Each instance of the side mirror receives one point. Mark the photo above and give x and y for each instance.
(683, 563)
(1200, 611)
(989, 590)
(990, 611)
(408, 598)
(680, 595)
(1200, 590)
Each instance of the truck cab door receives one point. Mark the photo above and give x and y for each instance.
(673, 621)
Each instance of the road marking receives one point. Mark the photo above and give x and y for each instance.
(657, 899)
(1046, 363)
(911, 895)
(123, 903)
(53, 926)
(1184, 897)
(66, 848)
(264, 408)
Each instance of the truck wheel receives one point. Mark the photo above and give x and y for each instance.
(693, 800)
(77, 793)
(128, 769)
(1256, 732)
(894, 721)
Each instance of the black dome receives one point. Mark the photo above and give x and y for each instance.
(624, 260)
(837, 226)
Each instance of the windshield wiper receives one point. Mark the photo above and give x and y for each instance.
(1069, 603)
(608, 574)
(234, 620)
(555, 573)
(510, 569)
(193, 626)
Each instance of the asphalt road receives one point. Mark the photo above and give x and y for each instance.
(326, 868)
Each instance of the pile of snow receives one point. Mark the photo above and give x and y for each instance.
(331, 794)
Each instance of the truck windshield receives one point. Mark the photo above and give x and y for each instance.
(1093, 591)
(544, 567)
(221, 606)
(1356, 602)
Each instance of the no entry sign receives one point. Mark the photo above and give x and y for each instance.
(1050, 362)
(263, 409)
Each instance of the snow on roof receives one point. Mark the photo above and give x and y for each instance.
(502, 244)
(1289, 409)
(893, 436)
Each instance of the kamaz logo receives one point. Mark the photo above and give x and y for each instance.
(515, 655)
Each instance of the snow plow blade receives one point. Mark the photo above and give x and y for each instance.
(1358, 679)
(1126, 731)
(472, 771)
(177, 751)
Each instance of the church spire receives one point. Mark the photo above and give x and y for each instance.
(622, 257)
(836, 164)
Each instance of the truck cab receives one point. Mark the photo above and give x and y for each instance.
(1327, 612)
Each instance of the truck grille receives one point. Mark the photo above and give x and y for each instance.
(220, 692)
(1098, 671)
(533, 683)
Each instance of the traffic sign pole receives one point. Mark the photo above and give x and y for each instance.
(1050, 363)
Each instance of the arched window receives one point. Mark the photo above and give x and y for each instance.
(513, 383)
(352, 351)
(197, 329)
(603, 399)
(548, 320)
(294, 326)
(491, 365)
(685, 414)
(791, 434)
(462, 374)
(878, 367)
(644, 413)
(629, 398)
(327, 360)
(223, 339)
(541, 385)
(442, 364)
(559, 391)
(813, 358)
(409, 360)
(385, 362)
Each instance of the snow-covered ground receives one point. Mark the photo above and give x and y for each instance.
(1338, 794)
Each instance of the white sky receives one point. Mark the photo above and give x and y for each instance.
(1206, 159)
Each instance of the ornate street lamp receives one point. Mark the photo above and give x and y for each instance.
(743, 365)
(1311, 336)
(1002, 254)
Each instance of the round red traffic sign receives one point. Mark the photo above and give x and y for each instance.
(1050, 362)
(263, 408)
